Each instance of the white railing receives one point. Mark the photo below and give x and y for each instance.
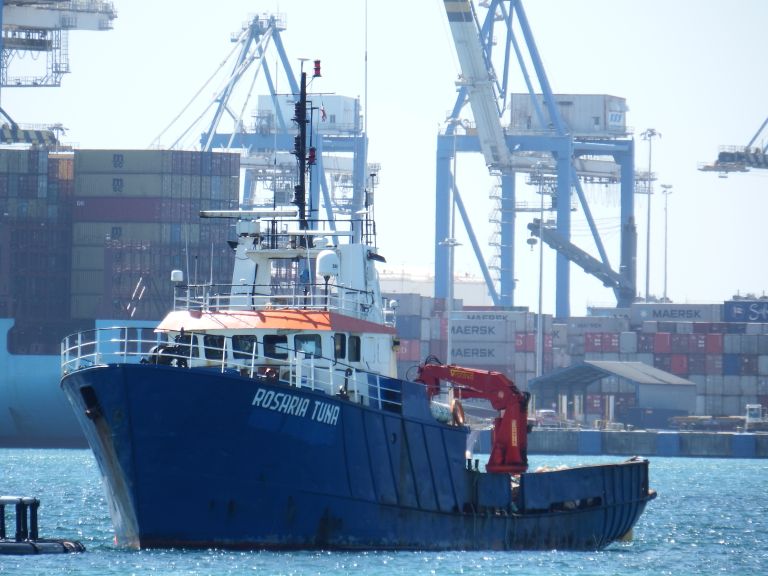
(206, 297)
(120, 345)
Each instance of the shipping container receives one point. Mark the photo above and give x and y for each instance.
(409, 350)
(593, 342)
(746, 310)
(628, 342)
(714, 344)
(559, 335)
(87, 258)
(112, 209)
(701, 327)
(732, 406)
(714, 364)
(482, 353)
(678, 364)
(731, 364)
(715, 385)
(85, 282)
(669, 312)
(736, 328)
(645, 342)
(680, 343)
(582, 325)
(698, 344)
(748, 386)
(116, 184)
(697, 364)
(684, 327)
(583, 114)
(663, 362)
(749, 344)
(762, 365)
(662, 343)
(482, 331)
(525, 341)
(408, 327)
(611, 342)
(749, 365)
(123, 161)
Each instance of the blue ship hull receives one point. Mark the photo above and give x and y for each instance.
(201, 458)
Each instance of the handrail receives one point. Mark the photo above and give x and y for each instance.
(204, 297)
(103, 346)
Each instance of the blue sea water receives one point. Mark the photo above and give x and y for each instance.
(711, 517)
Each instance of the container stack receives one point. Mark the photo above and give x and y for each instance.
(721, 348)
(136, 217)
(35, 241)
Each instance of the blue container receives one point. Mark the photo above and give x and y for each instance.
(409, 327)
(745, 311)
(731, 364)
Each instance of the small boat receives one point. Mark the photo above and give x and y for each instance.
(268, 414)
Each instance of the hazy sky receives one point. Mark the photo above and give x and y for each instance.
(693, 70)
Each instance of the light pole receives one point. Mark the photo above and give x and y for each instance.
(666, 190)
(649, 134)
(540, 323)
(449, 243)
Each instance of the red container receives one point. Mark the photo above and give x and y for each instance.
(662, 343)
(548, 342)
(525, 342)
(714, 344)
(409, 350)
(593, 342)
(697, 344)
(610, 342)
(678, 364)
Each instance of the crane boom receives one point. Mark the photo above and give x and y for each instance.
(509, 435)
(477, 77)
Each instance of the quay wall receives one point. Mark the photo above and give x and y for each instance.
(647, 443)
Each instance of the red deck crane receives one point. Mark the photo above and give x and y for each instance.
(509, 435)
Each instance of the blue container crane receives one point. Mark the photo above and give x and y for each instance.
(505, 152)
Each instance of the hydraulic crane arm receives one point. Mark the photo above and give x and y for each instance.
(509, 435)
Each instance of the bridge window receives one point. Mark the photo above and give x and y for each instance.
(354, 349)
(214, 345)
(308, 345)
(276, 346)
(243, 346)
(339, 346)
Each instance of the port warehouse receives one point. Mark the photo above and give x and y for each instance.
(721, 349)
(93, 234)
(111, 224)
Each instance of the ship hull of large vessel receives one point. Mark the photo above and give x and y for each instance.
(199, 458)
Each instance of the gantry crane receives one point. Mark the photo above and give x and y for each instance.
(742, 158)
(548, 147)
(41, 27)
(36, 27)
(341, 176)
